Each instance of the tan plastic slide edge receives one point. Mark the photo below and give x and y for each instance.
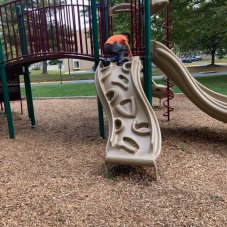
(210, 102)
(216, 100)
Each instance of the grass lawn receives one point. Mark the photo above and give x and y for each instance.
(54, 75)
(193, 68)
(65, 90)
(215, 83)
(37, 76)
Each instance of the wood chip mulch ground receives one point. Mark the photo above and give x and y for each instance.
(53, 175)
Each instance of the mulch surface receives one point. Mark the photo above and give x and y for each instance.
(53, 175)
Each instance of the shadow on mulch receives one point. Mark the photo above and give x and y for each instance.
(133, 174)
(137, 174)
(197, 134)
(204, 134)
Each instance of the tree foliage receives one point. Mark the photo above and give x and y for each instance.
(120, 21)
(200, 25)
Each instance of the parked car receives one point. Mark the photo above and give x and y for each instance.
(193, 58)
(198, 57)
(186, 60)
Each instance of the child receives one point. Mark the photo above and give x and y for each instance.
(114, 49)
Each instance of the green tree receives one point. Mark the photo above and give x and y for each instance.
(120, 21)
(200, 25)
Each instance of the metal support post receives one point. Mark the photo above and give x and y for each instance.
(147, 60)
(6, 94)
(106, 17)
(29, 96)
(26, 70)
(96, 59)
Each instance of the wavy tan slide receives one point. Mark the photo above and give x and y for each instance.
(156, 6)
(210, 102)
(134, 133)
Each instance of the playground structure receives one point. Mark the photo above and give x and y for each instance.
(49, 30)
(134, 134)
(41, 30)
(13, 82)
(159, 91)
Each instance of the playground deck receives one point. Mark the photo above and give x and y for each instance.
(53, 175)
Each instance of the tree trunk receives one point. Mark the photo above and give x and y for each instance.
(213, 57)
(45, 67)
